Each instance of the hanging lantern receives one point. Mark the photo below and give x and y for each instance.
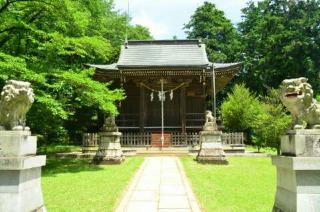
(163, 96)
(159, 96)
(151, 97)
(171, 95)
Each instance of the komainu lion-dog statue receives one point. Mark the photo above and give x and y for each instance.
(210, 124)
(15, 101)
(297, 96)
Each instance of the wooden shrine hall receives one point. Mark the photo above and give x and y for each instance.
(167, 83)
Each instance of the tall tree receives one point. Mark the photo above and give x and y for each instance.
(47, 42)
(281, 40)
(138, 32)
(218, 33)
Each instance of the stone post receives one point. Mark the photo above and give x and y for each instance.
(20, 172)
(298, 172)
(109, 151)
(211, 149)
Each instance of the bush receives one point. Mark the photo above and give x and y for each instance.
(240, 109)
(271, 123)
(265, 120)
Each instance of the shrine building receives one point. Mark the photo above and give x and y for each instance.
(167, 85)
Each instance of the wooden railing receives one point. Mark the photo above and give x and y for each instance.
(185, 139)
(178, 139)
(90, 139)
(136, 139)
(233, 138)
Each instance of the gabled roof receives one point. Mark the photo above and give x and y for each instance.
(153, 55)
(163, 53)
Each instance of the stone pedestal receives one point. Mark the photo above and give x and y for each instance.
(20, 172)
(109, 151)
(302, 143)
(298, 172)
(211, 150)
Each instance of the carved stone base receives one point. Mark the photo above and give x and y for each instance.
(304, 143)
(298, 183)
(213, 159)
(107, 161)
(211, 150)
(20, 172)
(109, 151)
(298, 172)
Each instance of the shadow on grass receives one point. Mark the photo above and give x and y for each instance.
(56, 166)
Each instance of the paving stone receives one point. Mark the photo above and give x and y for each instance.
(159, 185)
(144, 196)
(147, 185)
(172, 181)
(172, 190)
(173, 202)
(139, 206)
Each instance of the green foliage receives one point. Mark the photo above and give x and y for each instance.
(70, 51)
(276, 39)
(138, 32)
(89, 93)
(265, 120)
(47, 43)
(272, 123)
(217, 32)
(240, 109)
(281, 39)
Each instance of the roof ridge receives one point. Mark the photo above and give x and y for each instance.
(164, 42)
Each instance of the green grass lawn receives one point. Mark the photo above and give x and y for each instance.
(57, 148)
(246, 184)
(266, 150)
(74, 185)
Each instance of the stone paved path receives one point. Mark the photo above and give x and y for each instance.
(159, 185)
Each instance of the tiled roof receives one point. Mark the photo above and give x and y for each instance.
(164, 53)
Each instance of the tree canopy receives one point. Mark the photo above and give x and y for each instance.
(281, 39)
(47, 43)
(276, 39)
(217, 32)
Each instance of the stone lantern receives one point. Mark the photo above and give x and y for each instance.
(109, 151)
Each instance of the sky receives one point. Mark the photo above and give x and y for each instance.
(166, 18)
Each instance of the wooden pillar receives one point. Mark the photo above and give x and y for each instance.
(204, 97)
(183, 108)
(142, 108)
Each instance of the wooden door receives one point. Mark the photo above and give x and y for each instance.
(156, 140)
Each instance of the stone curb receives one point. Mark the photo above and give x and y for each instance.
(128, 191)
(194, 203)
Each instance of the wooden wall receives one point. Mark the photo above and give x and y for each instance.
(186, 108)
